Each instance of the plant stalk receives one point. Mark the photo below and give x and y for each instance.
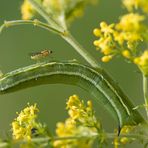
(28, 22)
(145, 92)
(83, 52)
(48, 139)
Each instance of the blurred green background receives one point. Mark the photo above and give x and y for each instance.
(17, 42)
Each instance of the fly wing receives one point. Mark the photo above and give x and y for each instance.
(34, 53)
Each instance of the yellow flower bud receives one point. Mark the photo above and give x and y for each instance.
(126, 53)
(60, 124)
(124, 140)
(75, 96)
(106, 58)
(116, 142)
(126, 129)
(89, 103)
(106, 51)
(137, 60)
(96, 43)
(143, 62)
(97, 32)
(103, 24)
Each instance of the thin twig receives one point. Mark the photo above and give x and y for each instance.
(32, 22)
(83, 52)
(145, 92)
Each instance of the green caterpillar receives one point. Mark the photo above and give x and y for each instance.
(95, 81)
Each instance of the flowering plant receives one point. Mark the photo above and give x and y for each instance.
(127, 38)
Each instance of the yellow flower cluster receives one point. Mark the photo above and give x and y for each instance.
(27, 10)
(142, 62)
(130, 22)
(81, 113)
(135, 4)
(81, 123)
(23, 125)
(123, 140)
(125, 37)
(129, 30)
(60, 11)
(105, 42)
(119, 38)
(75, 136)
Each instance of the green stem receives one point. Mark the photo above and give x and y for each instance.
(145, 92)
(48, 139)
(4, 144)
(28, 22)
(83, 52)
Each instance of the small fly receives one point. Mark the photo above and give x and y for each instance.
(40, 55)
